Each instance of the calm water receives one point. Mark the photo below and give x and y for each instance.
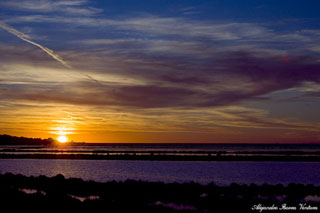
(171, 147)
(187, 149)
(222, 173)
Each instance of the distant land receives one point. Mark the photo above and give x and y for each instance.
(14, 140)
(171, 152)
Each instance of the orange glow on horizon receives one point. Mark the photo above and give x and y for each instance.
(86, 125)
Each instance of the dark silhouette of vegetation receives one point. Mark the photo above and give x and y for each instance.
(58, 194)
(13, 140)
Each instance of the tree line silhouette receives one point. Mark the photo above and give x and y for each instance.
(14, 140)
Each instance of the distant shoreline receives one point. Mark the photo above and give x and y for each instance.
(12, 147)
(25, 141)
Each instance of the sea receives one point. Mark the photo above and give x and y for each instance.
(203, 172)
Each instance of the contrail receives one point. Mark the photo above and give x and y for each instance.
(26, 38)
(50, 52)
(93, 79)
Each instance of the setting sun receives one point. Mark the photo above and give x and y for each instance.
(62, 139)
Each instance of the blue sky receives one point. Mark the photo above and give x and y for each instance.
(134, 71)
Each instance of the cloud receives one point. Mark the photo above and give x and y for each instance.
(134, 79)
(182, 35)
(75, 7)
(170, 72)
(232, 121)
(163, 26)
(189, 10)
(231, 83)
(27, 39)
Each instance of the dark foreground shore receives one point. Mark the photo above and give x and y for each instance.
(57, 194)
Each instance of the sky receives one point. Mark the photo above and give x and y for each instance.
(161, 71)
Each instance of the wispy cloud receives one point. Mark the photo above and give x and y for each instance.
(75, 7)
(180, 34)
(161, 85)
